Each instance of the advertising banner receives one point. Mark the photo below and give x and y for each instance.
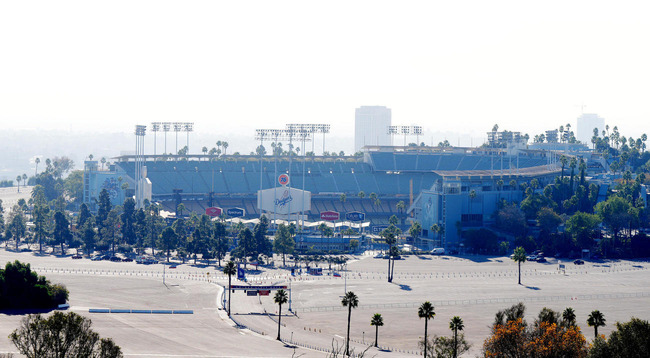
(213, 212)
(235, 212)
(355, 216)
(329, 215)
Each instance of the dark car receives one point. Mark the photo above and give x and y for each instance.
(127, 259)
(578, 262)
(541, 259)
(106, 257)
(115, 259)
(76, 257)
(96, 258)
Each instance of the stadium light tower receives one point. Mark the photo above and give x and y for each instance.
(417, 130)
(188, 127)
(140, 132)
(178, 126)
(311, 128)
(392, 130)
(166, 126)
(155, 128)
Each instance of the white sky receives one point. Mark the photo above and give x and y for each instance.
(233, 66)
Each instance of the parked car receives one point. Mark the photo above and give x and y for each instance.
(578, 262)
(97, 258)
(541, 259)
(127, 259)
(438, 251)
(106, 257)
(76, 257)
(115, 259)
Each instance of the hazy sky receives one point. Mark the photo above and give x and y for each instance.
(233, 66)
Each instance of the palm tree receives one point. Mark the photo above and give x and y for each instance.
(519, 256)
(569, 317)
(18, 179)
(225, 147)
(103, 161)
(350, 300)
(427, 312)
(377, 321)
(280, 298)
(24, 179)
(37, 160)
(229, 269)
(596, 319)
(456, 324)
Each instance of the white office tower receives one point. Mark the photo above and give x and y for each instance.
(371, 126)
(586, 124)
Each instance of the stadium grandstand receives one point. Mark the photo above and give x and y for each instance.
(341, 184)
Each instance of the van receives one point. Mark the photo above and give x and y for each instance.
(438, 251)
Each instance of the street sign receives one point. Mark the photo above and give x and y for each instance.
(213, 211)
(283, 179)
(355, 216)
(329, 215)
(235, 212)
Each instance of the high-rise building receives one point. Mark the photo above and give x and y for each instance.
(586, 124)
(371, 126)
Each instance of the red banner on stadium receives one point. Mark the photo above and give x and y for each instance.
(213, 212)
(329, 215)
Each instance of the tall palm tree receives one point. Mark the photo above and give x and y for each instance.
(569, 317)
(24, 179)
(225, 147)
(456, 324)
(596, 319)
(37, 160)
(519, 256)
(377, 321)
(350, 300)
(18, 179)
(229, 269)
(427, 312)
(280, 298)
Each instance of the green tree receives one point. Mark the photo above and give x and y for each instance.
(426, 311)
(22, 288)
(88, 236)
(614, 212)
(220, 241)
(280, 298)
(110, 229)
(61, 231)
(40, 217)
(519, 257)
(61, 335)
(229, 269)
(169, 240)
(581, 226)
(569, 317)
(17, 227)
(596, 319)
(456, 324)
(283, 242)
(350, 300)
(630, 339)
(377, 321)
(415, 230)
(129, 221)
(104, 207)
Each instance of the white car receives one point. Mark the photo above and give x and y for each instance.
(438, 251)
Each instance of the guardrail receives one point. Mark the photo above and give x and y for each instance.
(122, 310)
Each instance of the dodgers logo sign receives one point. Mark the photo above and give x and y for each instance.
(283, 180)
(284, 200)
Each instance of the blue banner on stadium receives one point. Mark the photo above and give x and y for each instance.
(355, 216)
(235, 212)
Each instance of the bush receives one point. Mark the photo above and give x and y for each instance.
(21, 288)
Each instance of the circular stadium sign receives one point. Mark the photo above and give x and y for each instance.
(283, 179)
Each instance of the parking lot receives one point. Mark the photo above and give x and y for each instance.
(471, 287)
